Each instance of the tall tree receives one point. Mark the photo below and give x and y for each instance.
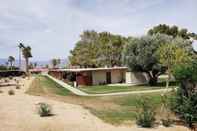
(20, 46)
(11, 59)
(97, 49)
(54, 62)
(27, 54)
(171, 55)
(139, 55)
(172, 31)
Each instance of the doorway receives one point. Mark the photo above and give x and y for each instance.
(108, 77)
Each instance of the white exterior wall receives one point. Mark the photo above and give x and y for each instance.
(98, 77)
(117, 76)
(136, 78)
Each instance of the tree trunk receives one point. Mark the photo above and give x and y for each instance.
(168, 79)
(26, 64)
(153, 81)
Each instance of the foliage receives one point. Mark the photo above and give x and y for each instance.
(184, 103)
(165, 111)
(145, 116)
(97, 49)
(55, 62)
(2, 67)
(11, 59)
(44, 109)
(139, 54)
(173, 31)
(18, 87)
(26, 50)
(11, 92)
(171, 55)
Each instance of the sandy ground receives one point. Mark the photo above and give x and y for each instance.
(19, 113)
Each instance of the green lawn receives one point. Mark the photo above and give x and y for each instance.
(43, 84)
(111, 89)
(111, 109)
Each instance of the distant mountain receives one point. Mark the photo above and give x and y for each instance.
(3, 61)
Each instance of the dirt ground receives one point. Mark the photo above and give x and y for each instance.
(19, 113)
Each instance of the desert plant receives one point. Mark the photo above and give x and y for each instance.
(10, 77)
(18, 87)
(44, 109)
(145, 117)
(1, 91)
(165, 111)
(166, 122)
(6, 80)
(11, 92)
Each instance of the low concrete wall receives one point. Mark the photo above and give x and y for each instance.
(136, 78)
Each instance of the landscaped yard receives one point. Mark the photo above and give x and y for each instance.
(112, 109)
(111, 89)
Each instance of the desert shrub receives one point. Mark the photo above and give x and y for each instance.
(1, 91)
(44, 109)
(23, 76)
(166, 122)
(145, 117)
(11, 92)
(184, 102)
(18, 87)
(165, 111)
(6, 80)
(10, 77)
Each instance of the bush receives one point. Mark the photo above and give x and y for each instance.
(18, 87)
(6, 80)
(166, 122)
(145, 117)
(44, 109)
(184, 102)
(1, 91)
(10, 77)
(165, 111)
(11, 92)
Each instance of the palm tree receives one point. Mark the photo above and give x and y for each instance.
(54, 63)
(11, 59)
(27, 54)
(20, 46)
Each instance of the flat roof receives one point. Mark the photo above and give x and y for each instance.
(90, 69)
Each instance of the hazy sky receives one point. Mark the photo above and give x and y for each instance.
(52, 27)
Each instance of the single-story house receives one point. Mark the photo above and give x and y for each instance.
(91, 76)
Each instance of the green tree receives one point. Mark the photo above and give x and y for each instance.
(97, 49)
(171, 55)
(11, 59)
(54, 63)
(20, 46)
(173, 31)
(27, 54)
(139, 55)
(184, 102)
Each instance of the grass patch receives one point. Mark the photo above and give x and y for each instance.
(112, 89)
(43, 84)
(116, 110)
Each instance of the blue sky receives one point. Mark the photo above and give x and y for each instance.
(52, 27)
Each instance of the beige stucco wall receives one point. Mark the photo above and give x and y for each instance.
(117, 76)
(136, 78)
(98, 77)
